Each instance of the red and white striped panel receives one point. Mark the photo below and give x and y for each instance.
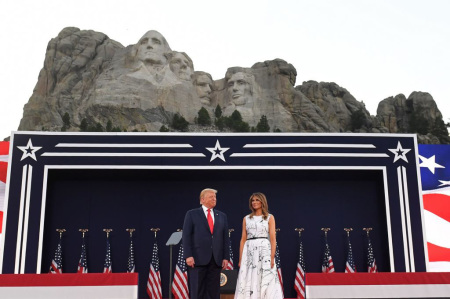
(378, 285)
(69, 286)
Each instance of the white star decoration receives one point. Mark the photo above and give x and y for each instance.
(430, 163)
(444, 183)
(400, 152)
(29, 150)
(217, 151)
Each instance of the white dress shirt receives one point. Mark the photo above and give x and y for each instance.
(205, 210)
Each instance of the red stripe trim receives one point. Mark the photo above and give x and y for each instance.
(72, 279)
(3, 171)
(438, 253)
(182, 279)
(438, 204)
(4, 148)
(378, 278)
(154, 284)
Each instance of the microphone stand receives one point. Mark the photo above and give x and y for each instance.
(174, 239)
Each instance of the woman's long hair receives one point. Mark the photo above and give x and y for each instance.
(265, 207)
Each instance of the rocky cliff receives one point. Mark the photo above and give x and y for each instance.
(88, 78)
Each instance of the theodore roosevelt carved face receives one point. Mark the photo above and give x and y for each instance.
(203, 85)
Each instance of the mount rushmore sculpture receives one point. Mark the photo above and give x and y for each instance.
(88, 76)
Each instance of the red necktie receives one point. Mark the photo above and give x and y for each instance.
(210, 221)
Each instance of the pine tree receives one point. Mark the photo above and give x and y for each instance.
(83, 125)
(263, 125)
(218, 111)
(203, 117)
(180, 123)
(66, 120)
(164, 129)
(109, 126)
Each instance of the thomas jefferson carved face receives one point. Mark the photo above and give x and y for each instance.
(239, 88)
(182, 66)
(203, 86)
(151, 48)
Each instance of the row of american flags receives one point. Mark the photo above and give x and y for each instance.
(180, 288)
(327, 264)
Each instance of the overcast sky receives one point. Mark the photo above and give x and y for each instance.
(374, 49)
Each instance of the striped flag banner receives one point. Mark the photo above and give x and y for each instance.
(4, 155)
(230, 265)
(380, 285)
(299, 284)
(278, 265)
(69, 286)
(180, 287)
(435, 174)
(154, 276)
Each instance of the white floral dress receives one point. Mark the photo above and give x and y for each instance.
(256, 279)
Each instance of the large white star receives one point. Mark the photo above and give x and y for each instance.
(217, 151)
(430, 163)
(444, 183)
(29, 150)
(400, 153)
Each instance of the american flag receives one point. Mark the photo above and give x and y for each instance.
(327, 263)
(299, 284)
(107, 268)
(154, 276)
(56, 266)
(82, 263)
(230, 265)
(4, 155)
(371, 264)
(131, 266)
(435, 174)
(180, 287)
(350, 263)
(278, 264)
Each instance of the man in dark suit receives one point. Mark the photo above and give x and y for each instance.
(205, 244)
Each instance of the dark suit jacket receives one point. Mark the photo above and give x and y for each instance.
(198, 241)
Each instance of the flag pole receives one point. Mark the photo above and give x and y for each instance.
(170, 266)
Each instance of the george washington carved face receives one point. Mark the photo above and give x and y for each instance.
(152, 48)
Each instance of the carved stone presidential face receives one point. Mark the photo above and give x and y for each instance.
(152, 48)
(239, 88)
(181, 65)
(203, 85)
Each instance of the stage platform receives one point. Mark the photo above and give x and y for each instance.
(69, 286)
(377, 285)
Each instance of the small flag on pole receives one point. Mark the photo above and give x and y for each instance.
(327, 263)
(371, 264)
(131, 266)
(278, 264)
(107, 268)
(299, 284)
(230, 265)
(82, 263)
(180, 287)
(154, 277)
(56, 266)
(350, 263)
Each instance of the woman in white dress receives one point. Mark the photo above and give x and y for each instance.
(258, 277)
